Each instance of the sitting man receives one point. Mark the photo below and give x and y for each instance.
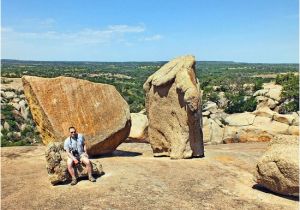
(76, 150)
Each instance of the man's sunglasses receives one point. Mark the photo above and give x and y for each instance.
(73, 132)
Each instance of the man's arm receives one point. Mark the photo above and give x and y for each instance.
(70, 155)
(84, 146)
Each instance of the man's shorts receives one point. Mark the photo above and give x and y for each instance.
(81, 157)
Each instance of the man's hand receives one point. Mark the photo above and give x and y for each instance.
(75, 161)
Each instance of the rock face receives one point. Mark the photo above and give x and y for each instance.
(57, 168)
(173, 101)
(139, 127)
(278, 168)
(96, 110)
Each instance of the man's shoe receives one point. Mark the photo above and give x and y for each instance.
(74, 181)
(92, 179)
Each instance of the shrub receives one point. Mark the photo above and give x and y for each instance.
(238, 103)
(214, 97)
(290, 91)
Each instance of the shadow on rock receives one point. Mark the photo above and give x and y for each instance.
(119, 153)
(265, 190)
(67, 182)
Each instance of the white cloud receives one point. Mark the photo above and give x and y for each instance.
(126, 28)
(84, 36)
(152, 38)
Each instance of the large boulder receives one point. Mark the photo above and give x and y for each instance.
(173, 102)
(56, 164)
(269, 125)
(97, 110)
(139, 127)
(264, 112)
(278, 168)
(240, 119)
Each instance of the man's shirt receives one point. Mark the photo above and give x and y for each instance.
(75, 144)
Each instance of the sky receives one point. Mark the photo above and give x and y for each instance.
(256, 31)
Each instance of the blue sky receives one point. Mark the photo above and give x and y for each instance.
(150, 30)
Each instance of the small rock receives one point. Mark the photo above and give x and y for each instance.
(6, 126)
(296, 119)
(210, 106)
(206, 113)
(10, 94)
(284, 118)
(15, 100)
(293, 130)
(15, 105)
(264, 112)
(22, 96)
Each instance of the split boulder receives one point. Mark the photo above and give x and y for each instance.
(96, 110)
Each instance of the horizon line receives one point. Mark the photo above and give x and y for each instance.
(229, 61)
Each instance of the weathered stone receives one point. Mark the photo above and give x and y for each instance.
(261, 92)
(206, 113)
(217, 133)
(274, 91)
(6, 126)
(22, 96)
(278, 168)
(56, 160)
(270, 90)
(223, 101)
(272, 103)
(253, 134)
(23, 127)
(220, 115)
(266, 124)
(293, 130)
(230, 134)
(173, 102)
(139, 127)
(210, 106)
(284, 118)
(96, 110)
(15, 100)
(296, 119)
(240, 119)
(206, 133)
(233, 134)
(264, 112)
(10, 94)
(24, 110)
(15, 105)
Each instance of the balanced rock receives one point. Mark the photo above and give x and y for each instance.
(56, 159)
(96, 110)
(173, 103)
(278, 168)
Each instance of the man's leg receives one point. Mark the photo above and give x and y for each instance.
(89, 167)
(71, 171)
